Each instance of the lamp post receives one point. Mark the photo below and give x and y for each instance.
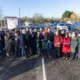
(19, 12)
(19, 20)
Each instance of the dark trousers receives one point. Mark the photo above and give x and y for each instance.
(49, 48)
(74, 55)
(56, 52)
(1, 50)
(17, 51)
(23, 52)
(67, 55)
(34, 49)
(61, 53)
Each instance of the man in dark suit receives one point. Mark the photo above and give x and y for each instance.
(31, 41)
(17, 44)
(23, 45)
(35, 42)
(2, 45)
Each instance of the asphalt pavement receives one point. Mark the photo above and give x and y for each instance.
(32, 69)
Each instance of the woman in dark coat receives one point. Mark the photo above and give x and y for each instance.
(1, 46)
(31, 40)
(17, 44)
(2, 43)
(40, 40)
(34, 42)
(27, 40)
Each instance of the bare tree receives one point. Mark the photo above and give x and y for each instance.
(37, 18)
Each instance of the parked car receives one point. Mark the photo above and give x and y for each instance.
(37, 28)
(70, 22)
(77, 25)
(62, 26)
(70, 27)
(54, 23)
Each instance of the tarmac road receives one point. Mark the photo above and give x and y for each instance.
(20, 69)
(63, 70)
(32, 69)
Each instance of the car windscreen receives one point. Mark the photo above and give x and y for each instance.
(70, 27)
(62, 25)
(77, 24)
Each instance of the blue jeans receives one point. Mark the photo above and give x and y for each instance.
(17, 51)
(49, 48)
(73, 55)
(23, 52)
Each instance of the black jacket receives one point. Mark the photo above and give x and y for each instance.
(17, 42)
(22, 40)
(50, 36)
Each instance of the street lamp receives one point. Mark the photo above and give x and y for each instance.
(19, 12)
(19, 20)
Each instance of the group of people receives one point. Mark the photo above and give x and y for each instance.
(27, 42)
(67, 44)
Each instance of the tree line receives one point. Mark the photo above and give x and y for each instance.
(66, 16)
(37, 18)
(70, 15)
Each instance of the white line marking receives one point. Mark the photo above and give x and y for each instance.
(43, 67)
